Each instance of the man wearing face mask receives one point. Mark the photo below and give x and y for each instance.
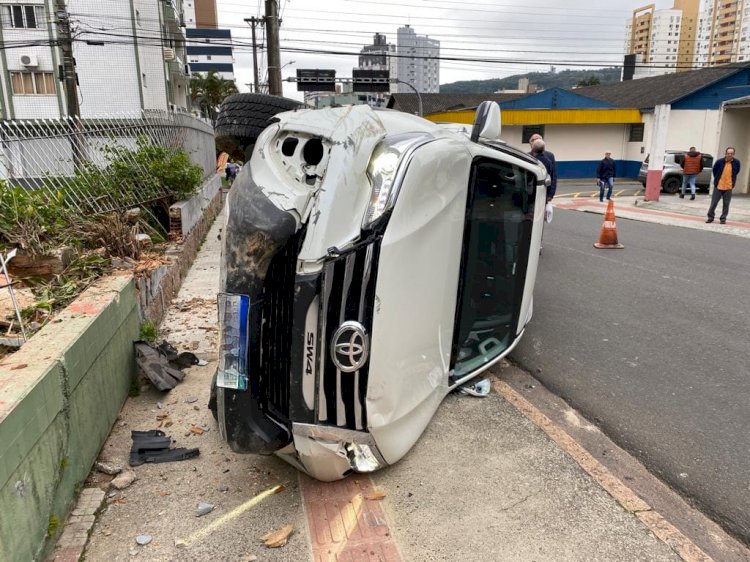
(538, 151)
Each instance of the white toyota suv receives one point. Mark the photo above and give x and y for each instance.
(373, 261)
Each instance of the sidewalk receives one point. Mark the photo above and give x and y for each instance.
(484, 483)
(670, 210)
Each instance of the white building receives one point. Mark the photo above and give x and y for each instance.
(418, 61)
(660, 51)
(130, 56)
(208, 47)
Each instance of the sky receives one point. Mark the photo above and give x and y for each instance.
(486, 38)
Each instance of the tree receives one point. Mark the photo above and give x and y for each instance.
(207, 92)
(589, 81)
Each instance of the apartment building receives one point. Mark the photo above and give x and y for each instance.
(208, 47)
(130, 56)
(663, 41)
(724, 32)
(418, 61)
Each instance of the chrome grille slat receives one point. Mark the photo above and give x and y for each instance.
(348, 295)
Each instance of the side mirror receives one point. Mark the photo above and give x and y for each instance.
(486, 122)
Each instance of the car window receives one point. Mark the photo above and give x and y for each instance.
(493, 269)
(708, 161)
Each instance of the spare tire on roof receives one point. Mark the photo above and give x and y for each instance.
(242, 117)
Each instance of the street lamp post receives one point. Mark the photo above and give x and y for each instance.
(419, 96)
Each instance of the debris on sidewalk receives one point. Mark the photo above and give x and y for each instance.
(163, 364)
(156, 367)
(278, 538)
(143, 540)
(153, 447)
(108, 468)
(479, 389)
(204, 508)
(375, 495)
(123, 480)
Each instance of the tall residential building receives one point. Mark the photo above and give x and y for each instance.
(209, 48)
(662, 40)
(379, 56)
(129, 56)
(418, 61)
(724, 34)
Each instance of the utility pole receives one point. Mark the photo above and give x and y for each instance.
(69, 79)
(274, 53)
(253, 21)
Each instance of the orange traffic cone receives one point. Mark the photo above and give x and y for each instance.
(608, 236)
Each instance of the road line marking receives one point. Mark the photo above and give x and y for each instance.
(236, 512)
(627, 498)
(576, 194)
(617, 193)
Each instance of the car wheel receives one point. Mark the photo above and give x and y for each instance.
(242, 117)
(672, 185)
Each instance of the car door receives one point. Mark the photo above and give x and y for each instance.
(496, 250)
(704, 178)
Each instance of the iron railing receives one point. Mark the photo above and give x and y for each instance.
(49, 154)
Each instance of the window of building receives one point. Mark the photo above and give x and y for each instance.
(33, 83)
(529, 130)
(636, 132)
(22, 16)
(208, 57)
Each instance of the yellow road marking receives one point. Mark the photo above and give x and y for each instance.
(236, 512)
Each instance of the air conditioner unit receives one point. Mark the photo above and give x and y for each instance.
(169, 54)
(28, 60)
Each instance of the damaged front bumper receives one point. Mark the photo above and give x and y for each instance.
(292, 376)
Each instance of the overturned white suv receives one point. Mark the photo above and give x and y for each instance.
(373, 261)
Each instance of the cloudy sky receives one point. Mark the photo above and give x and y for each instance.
(484, 38)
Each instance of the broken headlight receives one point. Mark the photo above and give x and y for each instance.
(385, 172)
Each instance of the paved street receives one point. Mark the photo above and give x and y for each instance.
(651, 343)
(578, 189)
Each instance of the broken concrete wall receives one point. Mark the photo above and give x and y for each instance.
(185, 215)
(158, 287)
(59, 397)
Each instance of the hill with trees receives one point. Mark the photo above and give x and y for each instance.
(544, 80)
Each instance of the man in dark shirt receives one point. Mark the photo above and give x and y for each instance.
(605, 175)
(538, 151)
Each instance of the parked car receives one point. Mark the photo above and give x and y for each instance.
(373, 262)
(671, 180)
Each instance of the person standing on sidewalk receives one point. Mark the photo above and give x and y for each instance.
(692, 164)
(539, 151)
(725, 177)
(605, 175)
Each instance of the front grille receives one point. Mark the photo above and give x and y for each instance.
(274, 360)
(348, 294)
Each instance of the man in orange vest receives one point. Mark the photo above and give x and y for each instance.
(725, 177)
(692, 164)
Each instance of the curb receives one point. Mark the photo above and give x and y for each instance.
(625, 496)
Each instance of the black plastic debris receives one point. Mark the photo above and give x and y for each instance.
(179, 360)
(153, 446)
(156, 367)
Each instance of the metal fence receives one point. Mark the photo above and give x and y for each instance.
(49, 154)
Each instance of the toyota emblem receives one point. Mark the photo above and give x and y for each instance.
(350, 347)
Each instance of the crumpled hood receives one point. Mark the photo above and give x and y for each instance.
(331, 196)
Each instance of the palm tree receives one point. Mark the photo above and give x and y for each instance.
(208, 91)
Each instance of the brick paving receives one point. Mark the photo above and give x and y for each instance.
(344, 525)
(78, 526)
